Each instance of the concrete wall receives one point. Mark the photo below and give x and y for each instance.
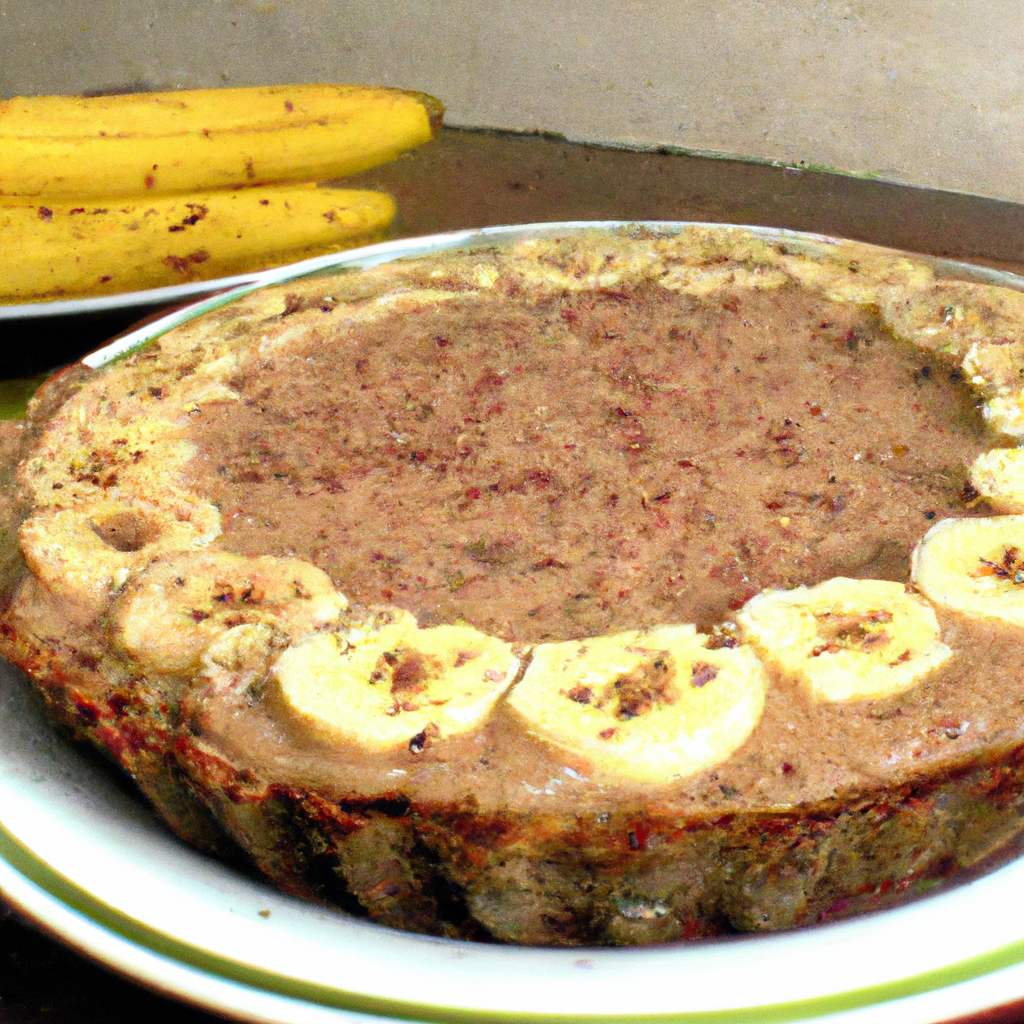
(913, 91)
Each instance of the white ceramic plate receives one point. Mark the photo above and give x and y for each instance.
(148, 299)
(91, 864)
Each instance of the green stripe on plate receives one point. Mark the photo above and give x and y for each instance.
(15, 393)
(62, 889)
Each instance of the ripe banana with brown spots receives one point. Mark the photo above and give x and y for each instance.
(200, 140)
(73, 249)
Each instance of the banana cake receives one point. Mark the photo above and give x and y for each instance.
(604, 586)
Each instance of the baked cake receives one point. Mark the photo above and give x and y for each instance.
(605, 586)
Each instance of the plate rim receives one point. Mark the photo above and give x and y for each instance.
(121, 300)
(66, 893)
(166, 977)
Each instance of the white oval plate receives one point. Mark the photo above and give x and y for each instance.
(91, 864)
(124, 300)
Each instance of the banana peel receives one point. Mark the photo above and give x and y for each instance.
(193, 141)
(100, 247)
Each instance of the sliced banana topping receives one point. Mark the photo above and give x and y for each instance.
(846, 639)
(1004, 414)
(995, 367)
(948, 316)
(387, 685)
(874, 274)
(975, 566)
(642, 706)
(83, 554)
(998, 476)
(173, 610)
(240, 657)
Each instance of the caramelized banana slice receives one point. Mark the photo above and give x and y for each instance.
(998, 476)
(975, 566)
(642, 706)
(948, 317)
(171, 613)
(387, 685)
(1004, 414)
(846, 639)
(995, 366)
(84, 554)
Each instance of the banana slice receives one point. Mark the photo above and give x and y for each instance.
(387, 685)
(1004, 414)
(84, 554)
(975, 566)
(174, 609)
(998, 476)
(948, 316)
(846, 639)
(996, 370)
(995, 367)
(642, 706)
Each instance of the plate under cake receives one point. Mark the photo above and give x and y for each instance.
(603, 586)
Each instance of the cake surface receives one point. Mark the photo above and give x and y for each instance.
(613, 587)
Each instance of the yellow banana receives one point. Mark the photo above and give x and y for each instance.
(164, 143)
(974, 567)
(101, 247)
(385, 685)
(641, 707)
(846, 639)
